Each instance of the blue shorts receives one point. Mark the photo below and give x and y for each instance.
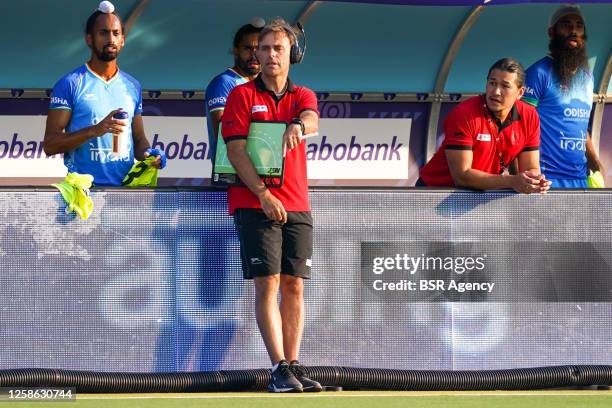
(569, 183)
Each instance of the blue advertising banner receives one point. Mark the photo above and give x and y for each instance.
(402, 279)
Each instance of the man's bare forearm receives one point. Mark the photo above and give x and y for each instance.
(480, 180)
(62, 142)
(237, 155)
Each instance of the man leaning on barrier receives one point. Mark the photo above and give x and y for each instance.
(84, 119)
(484, 134)
(274, 224)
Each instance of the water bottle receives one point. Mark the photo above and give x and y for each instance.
(119, 140)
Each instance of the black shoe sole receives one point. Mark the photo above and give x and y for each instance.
(293, 391)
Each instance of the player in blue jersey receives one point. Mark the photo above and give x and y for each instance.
(204, 348)
(560, 86)
(246, 68)
(80, 121)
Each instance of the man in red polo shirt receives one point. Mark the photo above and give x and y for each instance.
(484, 134)
(274, 224)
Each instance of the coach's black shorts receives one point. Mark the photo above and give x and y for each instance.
(269, 247)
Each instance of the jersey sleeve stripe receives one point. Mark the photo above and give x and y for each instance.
(237, 137)
(458, 147)
(308, 109)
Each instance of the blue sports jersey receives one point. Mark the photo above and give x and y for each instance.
(216, 95)
(91, 99)
(564, 119)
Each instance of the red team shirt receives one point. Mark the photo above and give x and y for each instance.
(253, 102)
(470, 126)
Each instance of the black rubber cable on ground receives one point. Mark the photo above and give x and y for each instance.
(346, 377)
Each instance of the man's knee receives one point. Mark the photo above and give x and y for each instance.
(266, 286)
(291, 285)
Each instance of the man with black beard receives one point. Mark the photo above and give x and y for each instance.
(560, 86)
(80, 121)
(246, 67)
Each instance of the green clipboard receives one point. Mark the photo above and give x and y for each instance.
(265, 148)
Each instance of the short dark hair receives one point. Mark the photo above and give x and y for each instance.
(510, 65)
(243, 32)
(91, 21)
